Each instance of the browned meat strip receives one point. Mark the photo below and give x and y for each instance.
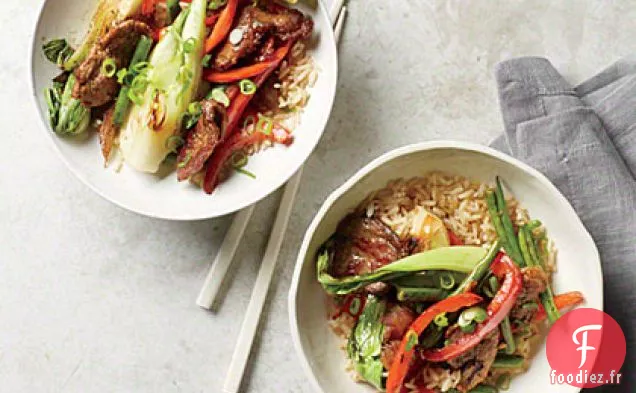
(107, 133)
(396, 321)
(389, 350)
(535, 281)
(254, 24)
(202, 140)
(363, 245)
(475, 363)
(92, 87)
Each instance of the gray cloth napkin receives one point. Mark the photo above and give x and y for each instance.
(584, 140)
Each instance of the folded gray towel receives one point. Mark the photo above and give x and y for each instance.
(584, 140)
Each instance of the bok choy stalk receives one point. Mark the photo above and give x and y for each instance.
(67, 115)
(107, 13)
(172, 81)
(365, 344)
(462, 259)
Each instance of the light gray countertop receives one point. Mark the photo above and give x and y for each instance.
(97, 299)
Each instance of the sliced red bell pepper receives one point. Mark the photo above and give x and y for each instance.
(223, 26)
(499, 307)
(402, 361)
(240, 103)
(223, 153)
(563, 302)
(239, 73)
(234, 115)
(148, 6)
(210, 20)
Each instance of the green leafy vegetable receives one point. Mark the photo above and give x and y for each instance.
(458, 259)
(173, 75)
(365, 344)
(67, 115)
(57, 51)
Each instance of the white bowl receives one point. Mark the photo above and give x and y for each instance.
(578, 262)
(163, 197)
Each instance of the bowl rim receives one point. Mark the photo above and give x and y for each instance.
(292, 169)
(370, 167)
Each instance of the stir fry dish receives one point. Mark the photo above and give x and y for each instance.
(440, 284)
(198, 84)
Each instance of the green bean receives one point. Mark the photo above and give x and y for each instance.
(506, 329)
(427, 279)
(421, 294)
(508, 361)
(506, 332)
(514, 252)
(123, 101)
(491, 202)
(525, 249)
(547, 297)
(480, 270)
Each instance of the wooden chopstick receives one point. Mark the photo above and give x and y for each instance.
(263, 280)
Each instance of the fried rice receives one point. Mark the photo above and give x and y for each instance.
(461, 204)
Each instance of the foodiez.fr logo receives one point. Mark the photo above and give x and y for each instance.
(586, 348)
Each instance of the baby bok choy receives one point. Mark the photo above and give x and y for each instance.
(67, 115)
(106, 13)
(462, 259)
(171, 83)
(365, 344)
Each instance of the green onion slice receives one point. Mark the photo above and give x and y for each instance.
(441, 320)
(354, 307)
(265, 124)
(413, 339)
(109, 67)
(476, 314)
(468, 328)
(188, 45)
(206, 61)
(446, 281)
(136, 97)
(247, 87)
(218, 95)
(239, 159)
(140, 67)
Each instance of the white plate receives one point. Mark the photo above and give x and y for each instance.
(164, 197)
(578, 263)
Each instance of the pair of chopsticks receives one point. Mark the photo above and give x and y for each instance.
(224, 257)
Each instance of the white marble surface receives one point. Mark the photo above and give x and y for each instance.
(96, 299)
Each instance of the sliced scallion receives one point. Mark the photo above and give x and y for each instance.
(218, 95)
(109, 67)
(265, 124)
(446, 281)
(247, 87)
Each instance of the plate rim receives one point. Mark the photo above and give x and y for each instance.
(333, 63)
(370, 167)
